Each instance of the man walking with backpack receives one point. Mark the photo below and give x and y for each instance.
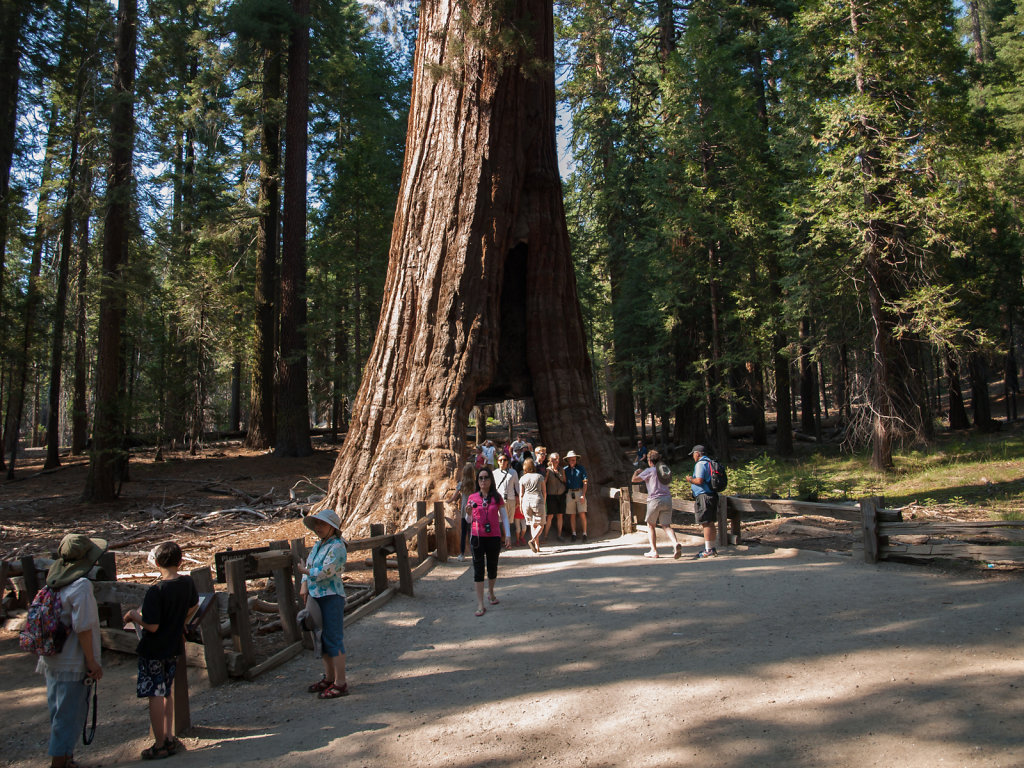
(705, 501)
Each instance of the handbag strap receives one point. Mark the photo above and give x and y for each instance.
(88, 734)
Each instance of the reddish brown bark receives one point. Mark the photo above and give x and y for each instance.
(480, 297)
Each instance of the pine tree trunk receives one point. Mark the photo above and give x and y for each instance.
(63, 269)
(978, 371)
(479, 213)
(80, 406)
(60, 312)
(106, 459)
(808, 389)
(1011, 379)
(12, 19)
(292, 426)
(260, 435)
(16, 399)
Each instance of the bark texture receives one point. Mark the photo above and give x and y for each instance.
(291, 428)
(108, 461)
(479, 249)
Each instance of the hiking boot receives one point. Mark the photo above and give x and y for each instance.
(706, 553)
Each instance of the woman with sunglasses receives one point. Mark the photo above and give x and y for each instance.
(486, 507)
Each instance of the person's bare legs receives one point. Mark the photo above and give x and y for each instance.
(535, 535)
(480, 609)
(334, 669)
(159, 714)
(652, 536)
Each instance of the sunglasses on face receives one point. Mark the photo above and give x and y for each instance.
(483, 477)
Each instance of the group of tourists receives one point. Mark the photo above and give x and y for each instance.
(537, 488)
(70, 658)
(517, 492)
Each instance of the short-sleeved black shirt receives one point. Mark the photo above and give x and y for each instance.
(166, 604)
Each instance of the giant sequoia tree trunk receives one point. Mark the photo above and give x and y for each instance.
(479, 228)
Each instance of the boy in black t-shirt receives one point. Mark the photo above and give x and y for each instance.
(164, 612)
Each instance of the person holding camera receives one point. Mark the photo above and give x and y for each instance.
(659, 505)
(486, 508)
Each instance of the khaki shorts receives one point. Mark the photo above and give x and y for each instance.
(575, 503)
(659, 512)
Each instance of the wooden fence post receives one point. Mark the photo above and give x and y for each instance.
(182, 710)
(722, 513)
(627, 521)
(238, 610)
(28, 573)
(380, 561)
(869, 526)
(440, 533)
(284, 584)
(422, 548)
(298, 548)
(209, 630)
(404, 569)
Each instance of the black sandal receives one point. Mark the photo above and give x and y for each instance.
(156, 752)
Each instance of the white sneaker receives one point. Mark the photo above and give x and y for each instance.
(462, 557)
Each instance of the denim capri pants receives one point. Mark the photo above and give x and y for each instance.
(332, 607)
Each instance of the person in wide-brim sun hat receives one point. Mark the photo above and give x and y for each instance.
(78, 661)
(328, 516)
(76, 556)
(322, 583)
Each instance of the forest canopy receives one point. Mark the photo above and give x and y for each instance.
(785, 216)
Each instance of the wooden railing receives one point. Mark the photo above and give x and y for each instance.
(878, 524)
(236, 609)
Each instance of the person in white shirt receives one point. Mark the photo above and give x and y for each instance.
(70, 673)
(506, 481)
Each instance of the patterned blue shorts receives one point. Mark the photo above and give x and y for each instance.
(156, 676)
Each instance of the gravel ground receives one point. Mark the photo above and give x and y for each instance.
(597, 656)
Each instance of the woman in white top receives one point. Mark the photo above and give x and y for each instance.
(534, 492)
(507, 484)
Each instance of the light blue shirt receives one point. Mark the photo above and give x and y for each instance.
(701, 471)
(326, 565)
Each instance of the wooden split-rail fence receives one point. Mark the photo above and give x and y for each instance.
(232, 611)
(917, 539)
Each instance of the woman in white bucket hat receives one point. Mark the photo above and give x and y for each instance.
(321, 581)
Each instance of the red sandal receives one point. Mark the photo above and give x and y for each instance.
(333, 691)
(320, 685)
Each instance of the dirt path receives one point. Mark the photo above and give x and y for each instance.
(598, 657)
